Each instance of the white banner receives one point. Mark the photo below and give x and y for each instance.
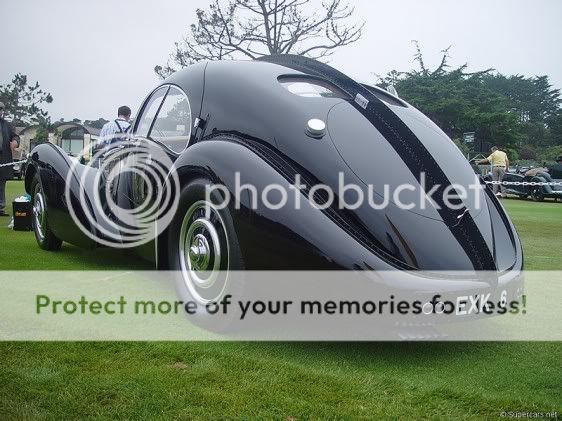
(256, 305)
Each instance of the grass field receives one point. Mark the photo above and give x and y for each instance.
(277, 380)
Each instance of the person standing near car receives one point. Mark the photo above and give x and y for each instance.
(500, 164)
(116, 130)
(112, 132)
(8, 144)
(556, 170)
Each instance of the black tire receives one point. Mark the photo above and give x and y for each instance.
(215, 234)
(537, 194)
(43, 234)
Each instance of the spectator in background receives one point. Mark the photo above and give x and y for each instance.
(536, 171)
(8, 144)
(500, 164)
(116, 130)
(556, 170)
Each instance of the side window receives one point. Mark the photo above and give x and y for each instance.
(173, 123)
(149, 112)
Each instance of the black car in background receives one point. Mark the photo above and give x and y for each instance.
(522, 185)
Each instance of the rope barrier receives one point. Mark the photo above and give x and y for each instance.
(503, 183)
(524, 183)
(12, 163)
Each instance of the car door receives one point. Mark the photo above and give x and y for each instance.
(164, 128)
(162, 131)
(120, 161)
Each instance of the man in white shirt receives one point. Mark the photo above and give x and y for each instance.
(116, 130)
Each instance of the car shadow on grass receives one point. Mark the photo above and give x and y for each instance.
(105, 258)
(398, 352)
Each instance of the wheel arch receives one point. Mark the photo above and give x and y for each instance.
(185, 175)
(28, 178)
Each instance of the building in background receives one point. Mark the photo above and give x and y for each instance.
(71, 136)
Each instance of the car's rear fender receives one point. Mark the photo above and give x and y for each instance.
(286, 238)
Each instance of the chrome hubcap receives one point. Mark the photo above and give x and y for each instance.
(203, 249)
(39, 217)
(199, 253)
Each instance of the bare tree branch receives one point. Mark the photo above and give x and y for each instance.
(233, 29)
(419, 57)
(443, 65)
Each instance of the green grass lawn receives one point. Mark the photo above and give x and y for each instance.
(540, 227)
(19, 250)
(277, 380)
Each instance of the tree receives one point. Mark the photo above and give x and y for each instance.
(457, 101)
(23, 101)
(254, 28)
(44, 128)
(532, 98)
(96, 124)
(555, 127)
(536, 104)
(551, 154)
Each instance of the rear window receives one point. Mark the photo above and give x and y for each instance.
(311, 88)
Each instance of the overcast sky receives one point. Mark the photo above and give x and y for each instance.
(94, 56)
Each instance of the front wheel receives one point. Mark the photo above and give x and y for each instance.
(43, 234)
(203, 249)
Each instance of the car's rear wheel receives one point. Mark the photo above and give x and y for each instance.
(537, 195)
(203, 250)
(39, 222)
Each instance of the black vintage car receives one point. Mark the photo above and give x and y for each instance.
(270, 120)
(521, 184)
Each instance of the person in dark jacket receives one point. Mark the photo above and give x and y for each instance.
(556, 170)
(8, 143)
